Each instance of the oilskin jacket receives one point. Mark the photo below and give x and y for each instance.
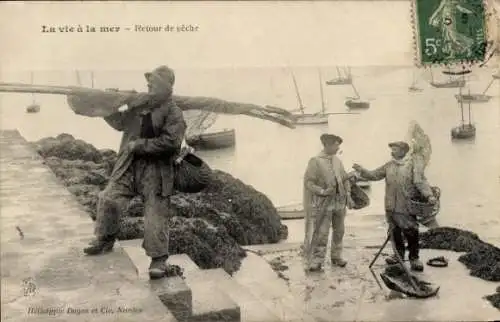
(403, 180)
(166, 131)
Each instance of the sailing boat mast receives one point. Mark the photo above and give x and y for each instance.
(32, 77)
(469, 110)
(92, 78)
(355, 91)
(461, 105)
(301, 106)
(323, 108)
(339, 74)
(488, 87)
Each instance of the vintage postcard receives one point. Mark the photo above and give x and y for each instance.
(250, 161)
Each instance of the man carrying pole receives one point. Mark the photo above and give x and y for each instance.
(327, 193)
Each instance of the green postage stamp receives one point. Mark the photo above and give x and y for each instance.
(450, 31)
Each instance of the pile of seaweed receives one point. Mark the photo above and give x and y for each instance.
(481, 258)
(208, 226)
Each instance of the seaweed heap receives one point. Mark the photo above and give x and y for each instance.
(481, 258)
(208, 226)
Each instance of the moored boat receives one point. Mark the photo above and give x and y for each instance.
(33, 108)
(473, 98)
(310, 119)
(293, 211)
(340, 80)
(357, 104)
(225, 138)
(464, 130)
(449, 84)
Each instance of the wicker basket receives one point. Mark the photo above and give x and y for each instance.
(426, 211)
(192, 174)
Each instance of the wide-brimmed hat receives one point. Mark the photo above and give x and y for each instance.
(328, 138)
(400, 144)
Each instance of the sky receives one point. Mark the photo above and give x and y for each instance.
(230, 34)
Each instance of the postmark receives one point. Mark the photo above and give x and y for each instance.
(451, 32)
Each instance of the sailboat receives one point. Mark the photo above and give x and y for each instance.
(33, 107)
(464, 131)
(305, 118)
(341, 80)
(355, 102)
(413, 87)
(451, 83)
(476, 98)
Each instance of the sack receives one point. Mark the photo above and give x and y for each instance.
(359, 197)
(191, 174)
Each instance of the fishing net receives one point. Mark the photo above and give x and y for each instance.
(420, 144)
(198, 121)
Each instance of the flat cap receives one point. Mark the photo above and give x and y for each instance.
(330, 138)
(400, 144)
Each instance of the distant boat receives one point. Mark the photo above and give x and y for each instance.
(341, 80)
(213, 140)
(496, 76)
(476, 98)
(464, 131)
(413, 88)
(33, 108)
(451, 83)
(309, 118)
(293, 211)
(356, 102)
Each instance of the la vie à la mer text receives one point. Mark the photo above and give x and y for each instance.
(135, 28)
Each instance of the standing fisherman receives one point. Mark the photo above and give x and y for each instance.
(327, 193)
(153, 129)
(404, 180)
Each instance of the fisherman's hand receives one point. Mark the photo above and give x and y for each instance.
(132, 146)
(357, 167)
(327, 192)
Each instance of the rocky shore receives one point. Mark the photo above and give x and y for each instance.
(208, 226)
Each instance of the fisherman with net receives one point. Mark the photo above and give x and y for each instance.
(327, 193)
(405, 181)
(153, 130)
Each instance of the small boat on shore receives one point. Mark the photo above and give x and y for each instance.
(293, 211)
(225, 138)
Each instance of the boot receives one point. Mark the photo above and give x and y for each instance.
(339, 262)
(99, 246)
(314, 268)
(416, 265)
(158, 267)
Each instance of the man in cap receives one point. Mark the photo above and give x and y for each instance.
(403, 181)
(153, 128)
(327, 193)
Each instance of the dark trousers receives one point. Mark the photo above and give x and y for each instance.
(404, 227)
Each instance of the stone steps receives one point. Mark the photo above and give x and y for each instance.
(190, 299)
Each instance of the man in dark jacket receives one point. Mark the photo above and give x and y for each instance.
(403, 181)
(153, 129)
